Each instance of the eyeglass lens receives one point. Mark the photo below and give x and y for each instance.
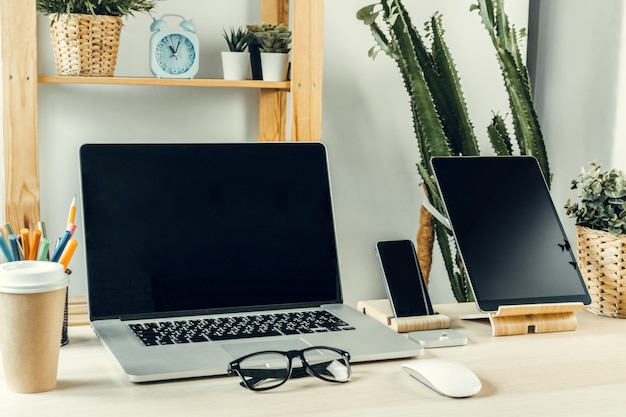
(327, 364)
(268, 370)
(264, 370)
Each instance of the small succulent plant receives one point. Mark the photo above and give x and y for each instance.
(271, 38)
(602, 196)
(237, 39)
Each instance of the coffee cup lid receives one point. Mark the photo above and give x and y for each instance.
(28, 277)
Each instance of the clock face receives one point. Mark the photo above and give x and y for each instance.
(175, 54)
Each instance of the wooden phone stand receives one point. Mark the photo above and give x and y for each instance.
(381, 310)
(534, 318)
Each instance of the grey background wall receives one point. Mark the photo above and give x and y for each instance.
(366, 120)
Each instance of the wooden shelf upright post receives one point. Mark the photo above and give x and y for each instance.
(18, 43)
(273, 103)
(306, 74)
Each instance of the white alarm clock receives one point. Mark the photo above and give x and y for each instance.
(173, 53)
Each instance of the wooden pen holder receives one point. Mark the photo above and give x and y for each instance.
(380, 310)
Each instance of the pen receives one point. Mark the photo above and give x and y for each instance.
(34, 245)
(72, 215)
(15, 252)
(25, 234)
(59, 249)
(5, 249)
(42, 255)
(68, 252)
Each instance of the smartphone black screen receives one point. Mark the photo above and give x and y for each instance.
(403, 279)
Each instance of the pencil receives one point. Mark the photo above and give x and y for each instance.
(71, 217)
(66, 256)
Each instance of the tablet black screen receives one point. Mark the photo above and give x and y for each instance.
(509, 234)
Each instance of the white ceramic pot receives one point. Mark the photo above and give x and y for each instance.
(236, 65)
(274, 66)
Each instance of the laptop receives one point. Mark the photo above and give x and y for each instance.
(185, 242)
(509, 234)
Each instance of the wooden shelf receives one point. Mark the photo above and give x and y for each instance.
(19, 89)
(195, 82)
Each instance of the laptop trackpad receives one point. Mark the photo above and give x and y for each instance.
(237, 350)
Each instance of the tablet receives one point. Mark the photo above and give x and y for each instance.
(509, 234)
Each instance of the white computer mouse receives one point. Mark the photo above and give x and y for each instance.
(446, 377)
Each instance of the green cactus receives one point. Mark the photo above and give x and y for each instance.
(440, 118)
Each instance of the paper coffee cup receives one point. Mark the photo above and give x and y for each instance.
(32, 303)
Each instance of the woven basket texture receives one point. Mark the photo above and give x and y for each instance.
(86, 45)
(602, 261)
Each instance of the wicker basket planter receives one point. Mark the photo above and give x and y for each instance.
(602, 261)
(86, 45)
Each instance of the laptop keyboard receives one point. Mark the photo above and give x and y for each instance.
(237, 327)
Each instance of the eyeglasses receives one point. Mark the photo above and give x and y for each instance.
(269, 369)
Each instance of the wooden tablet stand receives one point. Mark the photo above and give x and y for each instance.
(534, 318)
(381, 310)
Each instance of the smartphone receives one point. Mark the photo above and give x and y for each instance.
(403, 279)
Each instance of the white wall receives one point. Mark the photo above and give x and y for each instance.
(581, 89)
(366, 121)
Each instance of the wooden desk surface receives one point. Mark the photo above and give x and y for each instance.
(580, 373)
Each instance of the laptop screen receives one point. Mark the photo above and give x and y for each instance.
(207, 227)
(511, 240)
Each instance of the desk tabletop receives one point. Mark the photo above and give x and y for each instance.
(575, 373)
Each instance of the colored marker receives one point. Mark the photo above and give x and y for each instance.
(34, 245)
(5, 249)
(8, 230)
(19, 247)
(61, 245)
(42, 226)
(44, 247)
(15, 251)
(25, 234)
(68, 252)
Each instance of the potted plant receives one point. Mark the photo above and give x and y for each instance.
(236, 61)
(440, 118)
(85, 33)
(601, 236)
(274, 45)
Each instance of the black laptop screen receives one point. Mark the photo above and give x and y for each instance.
(513, 245)
(207, 227)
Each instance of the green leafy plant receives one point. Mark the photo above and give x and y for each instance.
(441, 121)
(271, 38)
(237, 39)
(59, 8)
(602, 196)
